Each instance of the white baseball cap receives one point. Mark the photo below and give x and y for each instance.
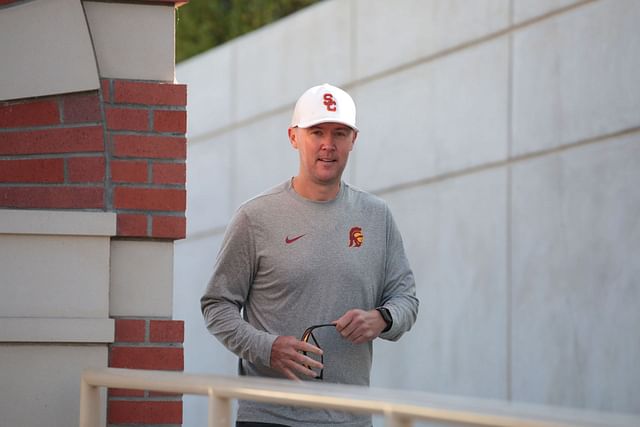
(324, 104)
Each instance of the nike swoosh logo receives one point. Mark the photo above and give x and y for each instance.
(288, 241)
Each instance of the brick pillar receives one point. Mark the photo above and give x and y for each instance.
(146, 344)
(146, 152)
(121, 149)
(108, 137)
(145, 156)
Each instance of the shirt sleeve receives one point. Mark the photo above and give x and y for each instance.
(399, 293)
(227, 291)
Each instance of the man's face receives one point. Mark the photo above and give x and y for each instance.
(324, 150)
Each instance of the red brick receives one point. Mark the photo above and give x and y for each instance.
(127, 119)
(123, 392)
(156, 147)
(34, 113)
(52, 197)
(130, 330)
(168, 227)
(157, 358)
(81, 108)
(149, 93)
(86, 169)
(150, 199)
(105, 86)
(170, 121)
(169, 173)
(144, 412)
(49, 141)
(129, 171)
(32, 170)
(166, 331)
(131, 225)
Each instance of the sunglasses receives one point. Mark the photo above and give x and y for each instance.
(307, 335)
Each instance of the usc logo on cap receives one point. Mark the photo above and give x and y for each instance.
(329, 102)
(356, 238)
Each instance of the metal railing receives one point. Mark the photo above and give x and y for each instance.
(399, 408)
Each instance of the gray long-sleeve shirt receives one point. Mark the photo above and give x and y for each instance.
(292, 263)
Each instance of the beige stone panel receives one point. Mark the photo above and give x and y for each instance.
(575, 76)
(391, 33)
(42, 329)
(45, 49)
(57, 223)
(133, 41)
(434, 118)
(41, 383)
(455, 237)
(277, 63)
(209, 180)
(54, 276)
(264, 157)
(524, 10)
(209, 77)
(576, 263)
(141, 278)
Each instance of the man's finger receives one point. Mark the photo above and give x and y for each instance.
(302, 369)
(309, 361)
(309, 348)
(352, 328)
(344, 320)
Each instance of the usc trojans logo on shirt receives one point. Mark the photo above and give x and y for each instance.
(356, 238)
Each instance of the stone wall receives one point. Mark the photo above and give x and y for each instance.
(504, 134)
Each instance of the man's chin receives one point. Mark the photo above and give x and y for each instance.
(325, 179)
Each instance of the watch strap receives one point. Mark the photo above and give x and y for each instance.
(386, 316)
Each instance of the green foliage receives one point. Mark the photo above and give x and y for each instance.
(203, 24)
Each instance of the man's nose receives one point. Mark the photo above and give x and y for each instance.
(328, 143)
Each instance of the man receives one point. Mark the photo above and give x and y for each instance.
(312, 250)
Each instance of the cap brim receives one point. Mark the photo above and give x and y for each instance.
(305, 125)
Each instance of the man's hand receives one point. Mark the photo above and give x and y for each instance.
(359, 326)
(286, 357)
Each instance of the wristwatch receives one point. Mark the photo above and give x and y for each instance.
(386, 316)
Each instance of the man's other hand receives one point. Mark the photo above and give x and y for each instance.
(360, 326)
(287, 357)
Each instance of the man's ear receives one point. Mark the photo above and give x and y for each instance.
(293, 137)
(355, 136)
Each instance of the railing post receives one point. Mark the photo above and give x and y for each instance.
(89, 405)
(219, 410)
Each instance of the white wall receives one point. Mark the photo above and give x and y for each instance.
(505, 136)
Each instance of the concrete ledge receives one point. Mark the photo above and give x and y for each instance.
(57, 223)
(46, 49)
(56, 330)
(133, 41)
